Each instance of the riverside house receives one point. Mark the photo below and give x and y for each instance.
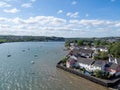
(99, 65)
(86, 53)
(71, 63)
(85, 63)
(114, 69)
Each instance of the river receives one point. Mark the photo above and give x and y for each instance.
(18, 73)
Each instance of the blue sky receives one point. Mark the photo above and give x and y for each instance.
(63, 18)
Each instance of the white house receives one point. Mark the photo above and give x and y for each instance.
(85, 63)
(101, 48)
(99, 65)
(92, 65)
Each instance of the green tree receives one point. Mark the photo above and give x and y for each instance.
(103, 55)
(80, 42)
(64, 59)
(67, 43)
(115, 49)
(97, 42)
(98, 73)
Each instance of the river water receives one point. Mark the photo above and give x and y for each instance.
(18, 73)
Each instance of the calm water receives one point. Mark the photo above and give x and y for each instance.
(18, 73)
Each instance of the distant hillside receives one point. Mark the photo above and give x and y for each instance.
(28, 38)
(110, 39)
(10, 38)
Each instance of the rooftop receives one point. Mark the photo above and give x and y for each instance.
(85, 61)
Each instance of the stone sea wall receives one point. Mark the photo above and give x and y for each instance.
(106, 83)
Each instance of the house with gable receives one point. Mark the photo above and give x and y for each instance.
(99, 65)
(70, 63)
(87, 53)
(100, 48)
(85, 63)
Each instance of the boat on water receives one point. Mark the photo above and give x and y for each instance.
(23, 50)
(32, 62)
(35, 55)
(8, 55)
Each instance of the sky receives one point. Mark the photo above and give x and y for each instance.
(61, 18)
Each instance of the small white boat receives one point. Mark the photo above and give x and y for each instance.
(32, 62)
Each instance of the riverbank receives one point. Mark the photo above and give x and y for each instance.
(103, 82)
(12, 38)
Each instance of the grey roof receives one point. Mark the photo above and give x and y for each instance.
(103, 47)
(85, 50)
(99, 63)
(85, 61)
(113, 66)
(81, 50)
(75, 51)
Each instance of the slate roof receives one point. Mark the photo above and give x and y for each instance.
(102, 47)
(113, 66)
(99, 63)
(85, 50)
(85, 61)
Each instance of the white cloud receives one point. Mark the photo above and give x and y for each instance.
(4, 4)
(43, 20)
(60, 11)
(26, 5)
(73, 15)
(53, 26)
(95, 23)
(2, 19)
(14, 10)
(74, 2)
(4, 26)
(117, 24)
